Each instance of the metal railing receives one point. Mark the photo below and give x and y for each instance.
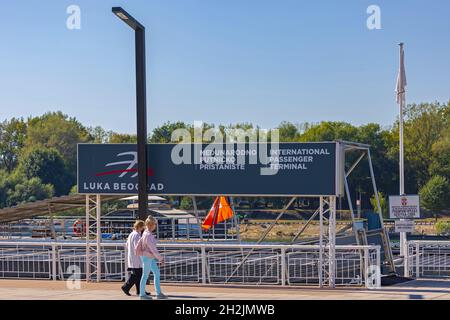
(114, 228)
(428, 259)
(206, 263)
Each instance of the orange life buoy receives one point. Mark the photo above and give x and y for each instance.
(79, 227)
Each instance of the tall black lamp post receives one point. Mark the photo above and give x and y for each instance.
(141, 107)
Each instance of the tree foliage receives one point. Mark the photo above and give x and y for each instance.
(435, 194)
(440, 163)
(16, 188)
(12, 138)
(186, 203)
(29, 190)
(55, 130)
(383, 204)
(38, 156)
(49, 167)
(424, 126)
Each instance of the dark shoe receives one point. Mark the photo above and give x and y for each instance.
(147, 293)
(161, 296)
(126, 292)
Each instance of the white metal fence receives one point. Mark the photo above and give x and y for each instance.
(204, 263)
(428, 259)
(114, 228)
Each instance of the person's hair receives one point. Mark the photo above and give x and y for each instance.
(150, 221)
(138, 224)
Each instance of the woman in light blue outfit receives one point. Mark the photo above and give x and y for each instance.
(150, 259)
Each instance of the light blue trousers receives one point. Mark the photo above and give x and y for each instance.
(150, 264)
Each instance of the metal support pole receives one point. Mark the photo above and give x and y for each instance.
(125, 250)
(216, 212)
(332, 242)
(172, 223)
(365, 272)
(321, 273)
(283, 266)
(199, 224)
(350, 205)
(141, 111)
(417, 261)
(236, 220)
(88, 249)
(53, 232)
(52, 222)
(99, 237)
(157, 231)
(203, 258)
(188, 227)
(387, 241)
(54, 257)
(402, 151)
(141, 108)
(406, 264)
(225, 230)
(349, 200)
(378, 265)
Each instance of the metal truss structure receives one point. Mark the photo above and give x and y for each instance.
(93, 232)
(327, 238)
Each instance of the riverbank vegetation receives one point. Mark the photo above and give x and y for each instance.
(38, 154)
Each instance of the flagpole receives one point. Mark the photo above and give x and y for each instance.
(401, 151)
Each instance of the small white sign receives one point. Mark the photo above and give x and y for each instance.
(404, 226)
(404, 207)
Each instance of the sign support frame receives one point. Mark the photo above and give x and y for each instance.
(327, 236)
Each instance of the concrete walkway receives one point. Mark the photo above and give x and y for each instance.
(57, 290)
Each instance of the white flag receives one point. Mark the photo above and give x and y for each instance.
(401, 79)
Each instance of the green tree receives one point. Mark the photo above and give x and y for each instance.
(186, 203)
(56, 130)
(379, 141)
(329, 131)
(424, 124)
(74, 190)
(3, 188)
(49, 167)
(163, 134)
(29, 190)
(8, 182)
(435, 194)
(99, 135)
(440, 164)
(12, 138)
(288, 132)
(442, 227)
(383, 204)
(122, 138)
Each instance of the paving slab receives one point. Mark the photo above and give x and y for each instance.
(59, 290)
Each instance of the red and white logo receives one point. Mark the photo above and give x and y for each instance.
(404, 201)
(131, 164)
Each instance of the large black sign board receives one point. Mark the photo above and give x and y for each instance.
(308, 169)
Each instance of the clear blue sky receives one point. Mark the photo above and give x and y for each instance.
(230, 61)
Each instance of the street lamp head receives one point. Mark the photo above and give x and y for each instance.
(127, 18)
